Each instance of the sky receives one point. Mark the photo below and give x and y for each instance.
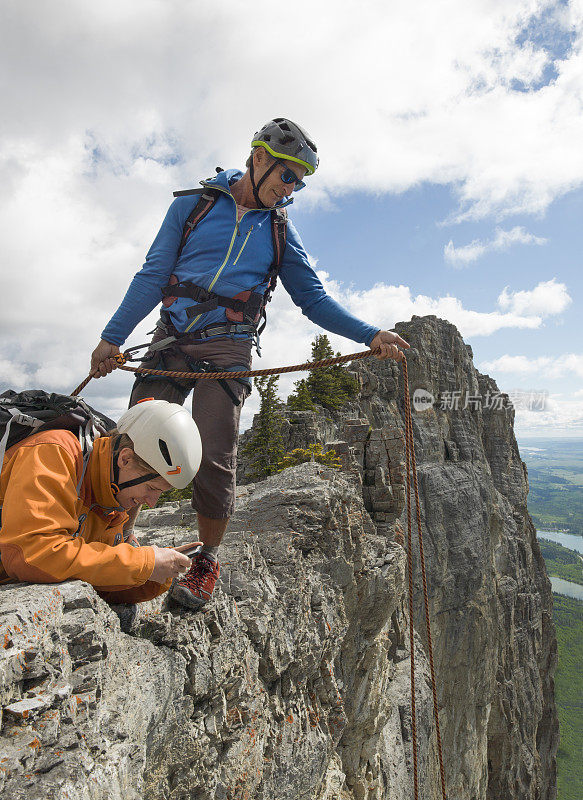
(450, 179)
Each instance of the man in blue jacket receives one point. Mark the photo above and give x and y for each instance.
(213, 264)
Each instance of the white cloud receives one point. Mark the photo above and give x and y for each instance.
(548, 297)
(289, 334)
(560, 418)
(111, 105)
(562, 414)
(56, 355)
(384, 303)
(459, 93)
(503, 240)
(549, 367)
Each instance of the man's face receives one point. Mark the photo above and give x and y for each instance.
(148, 492)
(273, 189)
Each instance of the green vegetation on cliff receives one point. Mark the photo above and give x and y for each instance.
(313, 452)
(329, 387)
(265, 447)
(554, 503)
(561, 562)
(568, 617)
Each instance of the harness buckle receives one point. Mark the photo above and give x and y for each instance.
(203, 306)
(199, 293)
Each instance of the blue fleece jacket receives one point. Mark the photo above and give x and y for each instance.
(228, 257)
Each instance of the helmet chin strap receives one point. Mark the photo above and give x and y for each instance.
(256, 188)
(126, 484)
(116, 485)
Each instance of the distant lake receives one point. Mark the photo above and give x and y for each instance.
(559, 585)
(567, 587)
(566, 539)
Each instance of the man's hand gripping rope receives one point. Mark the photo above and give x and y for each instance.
(106, 357)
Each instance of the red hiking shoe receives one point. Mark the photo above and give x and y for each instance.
(196, 588)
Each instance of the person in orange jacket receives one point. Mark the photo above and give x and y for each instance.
(63, 515)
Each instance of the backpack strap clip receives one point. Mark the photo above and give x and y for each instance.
(20, 419)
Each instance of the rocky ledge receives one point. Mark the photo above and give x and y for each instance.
(294, 681)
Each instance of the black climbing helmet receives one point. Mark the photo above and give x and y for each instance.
(284, 139)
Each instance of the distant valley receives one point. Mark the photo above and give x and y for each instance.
(555, 476)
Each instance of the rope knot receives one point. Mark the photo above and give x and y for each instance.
(120, 359)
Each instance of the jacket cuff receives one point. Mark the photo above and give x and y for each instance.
(111, 339)
(148, 567)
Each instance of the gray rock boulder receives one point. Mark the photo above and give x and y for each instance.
(292, 683)
(490, 597)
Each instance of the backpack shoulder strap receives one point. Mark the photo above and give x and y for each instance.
(279, 236)
(188, 192)
(207, 199)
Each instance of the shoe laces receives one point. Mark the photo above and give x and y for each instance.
(198, 572)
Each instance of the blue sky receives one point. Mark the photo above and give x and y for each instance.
(451, 177)
(401, 239)
(367, 239)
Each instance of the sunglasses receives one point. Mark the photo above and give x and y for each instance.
(289, 176)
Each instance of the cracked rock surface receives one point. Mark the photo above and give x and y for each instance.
(489, 595)
(294, 681)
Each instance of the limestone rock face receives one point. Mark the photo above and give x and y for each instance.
(490, 594)
(81, 701)
(490, 597)
(294, 681)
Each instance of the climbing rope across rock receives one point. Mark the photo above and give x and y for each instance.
(122, 360)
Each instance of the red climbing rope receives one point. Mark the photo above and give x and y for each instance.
(215, 376)
(412, 470)
(122, 358)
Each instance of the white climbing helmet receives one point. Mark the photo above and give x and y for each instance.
(166, 437)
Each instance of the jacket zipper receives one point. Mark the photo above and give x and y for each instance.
(244, 243)
(220, 269)
(235, 232)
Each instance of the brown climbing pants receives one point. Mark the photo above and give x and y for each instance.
(214, 412)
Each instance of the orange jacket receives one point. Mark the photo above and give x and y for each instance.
(50, 534)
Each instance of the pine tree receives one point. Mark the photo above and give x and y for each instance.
(301, 400)
(313, 452)
(329, 387)
(265, 448)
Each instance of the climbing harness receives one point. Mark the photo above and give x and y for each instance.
(245, 308)
(411, 476)
(194, 367)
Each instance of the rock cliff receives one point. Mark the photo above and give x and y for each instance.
(294, 682)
